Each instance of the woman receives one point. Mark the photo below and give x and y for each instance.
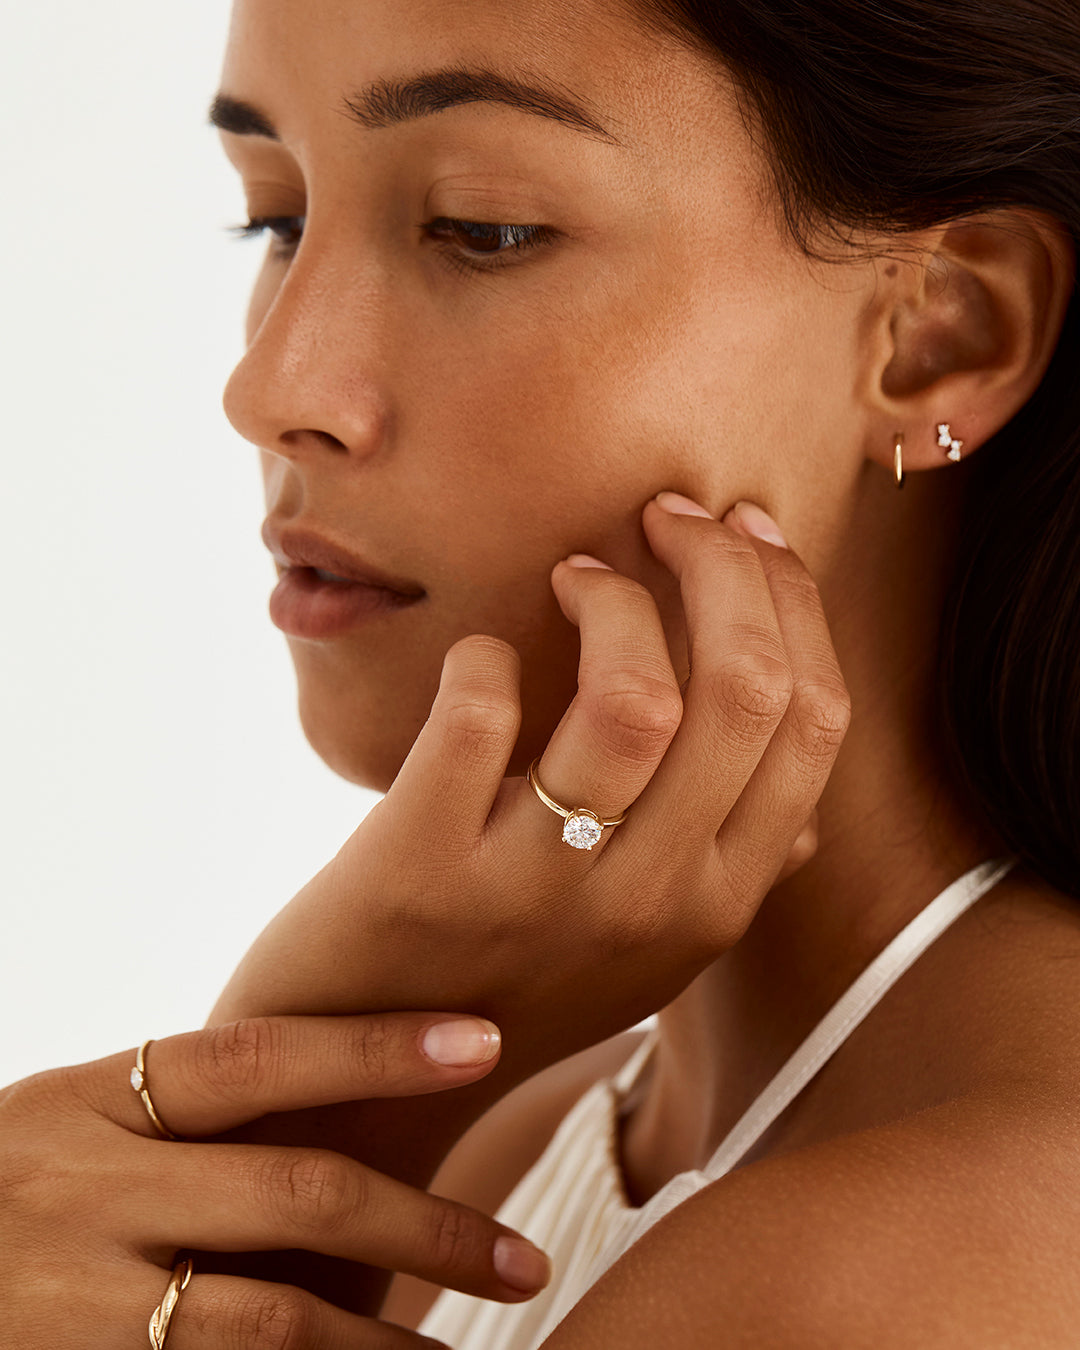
(754, 267)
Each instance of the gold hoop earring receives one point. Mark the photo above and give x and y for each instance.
(898, 460)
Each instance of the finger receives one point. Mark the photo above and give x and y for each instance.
(627, 706)
(457, 763)
(792, 774)
(739, 684)
(223, 1312)
(802, 850)
(208, 1081)
(244, 1197)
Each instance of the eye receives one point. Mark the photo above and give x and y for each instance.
(286, 230)
(469, 244)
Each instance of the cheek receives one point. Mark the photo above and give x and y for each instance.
(565, 415)
(563, 428)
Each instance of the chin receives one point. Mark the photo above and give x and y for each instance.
(369, 755)
(364, 731)
(364, 746)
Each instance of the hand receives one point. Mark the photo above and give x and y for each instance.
(457, 883)
(96, 1204)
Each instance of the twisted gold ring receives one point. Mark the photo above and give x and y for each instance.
(582, 827)
(163, 1313)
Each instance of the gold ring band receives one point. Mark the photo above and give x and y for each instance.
(138, 1082)
(582, 827)
(163, 1313)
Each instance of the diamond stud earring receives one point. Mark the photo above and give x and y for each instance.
(951, 446)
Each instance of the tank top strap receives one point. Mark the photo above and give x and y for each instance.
(850, 1009)
(625, 1078)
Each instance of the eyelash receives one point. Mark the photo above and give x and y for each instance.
(520, 238)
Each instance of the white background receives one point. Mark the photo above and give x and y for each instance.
(159, 801)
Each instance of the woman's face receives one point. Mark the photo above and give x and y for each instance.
(462, 413)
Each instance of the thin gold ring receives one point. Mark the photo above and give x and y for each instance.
(582, 827)
(138, 1082)
(163, 1313)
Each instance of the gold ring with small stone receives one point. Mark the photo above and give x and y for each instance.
(581, 827)
(138, 1082)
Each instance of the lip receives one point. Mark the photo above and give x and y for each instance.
(305, 605)
(304, 548)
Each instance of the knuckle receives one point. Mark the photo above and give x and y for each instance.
(723, 557)
(30, 1185)
(803, 849)
(480, 725)
(233, 1058)
(311, 1190)
(795, 588)
(637, 723)
(822, 714)
(454, 1237)
(278, 1318)
(29, 1097)
(60, 1094)
(375, 1050)
(644, 924)
(628, 591)
(757, 690)
(639, 929)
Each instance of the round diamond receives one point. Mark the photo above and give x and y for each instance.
(581, 831)
(136, 1080)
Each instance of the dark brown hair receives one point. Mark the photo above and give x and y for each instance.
(897, 115)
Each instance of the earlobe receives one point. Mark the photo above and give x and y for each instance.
(969, 331)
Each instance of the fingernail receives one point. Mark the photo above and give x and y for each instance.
(754, 521)
(586, 560)
(521, 1265)
(679, 505)
(459, 1044)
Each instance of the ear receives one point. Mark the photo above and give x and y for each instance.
(963, 324)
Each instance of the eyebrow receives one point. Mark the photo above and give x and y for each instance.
(230, 114)
(385, 103)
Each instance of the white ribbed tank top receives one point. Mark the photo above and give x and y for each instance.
(572, 1202)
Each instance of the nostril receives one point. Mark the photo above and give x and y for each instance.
(295, 440)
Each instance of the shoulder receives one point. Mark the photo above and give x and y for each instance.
(492, 1157)
(957, 1229)
(947, 1223)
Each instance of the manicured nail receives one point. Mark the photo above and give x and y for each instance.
(586, 560)
(678, 505)
(754, 521)
(460, 1044)
(521, 1265)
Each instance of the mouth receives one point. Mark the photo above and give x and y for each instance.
(325, 591)
(330, 562)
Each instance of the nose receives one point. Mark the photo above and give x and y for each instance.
(310, 381)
